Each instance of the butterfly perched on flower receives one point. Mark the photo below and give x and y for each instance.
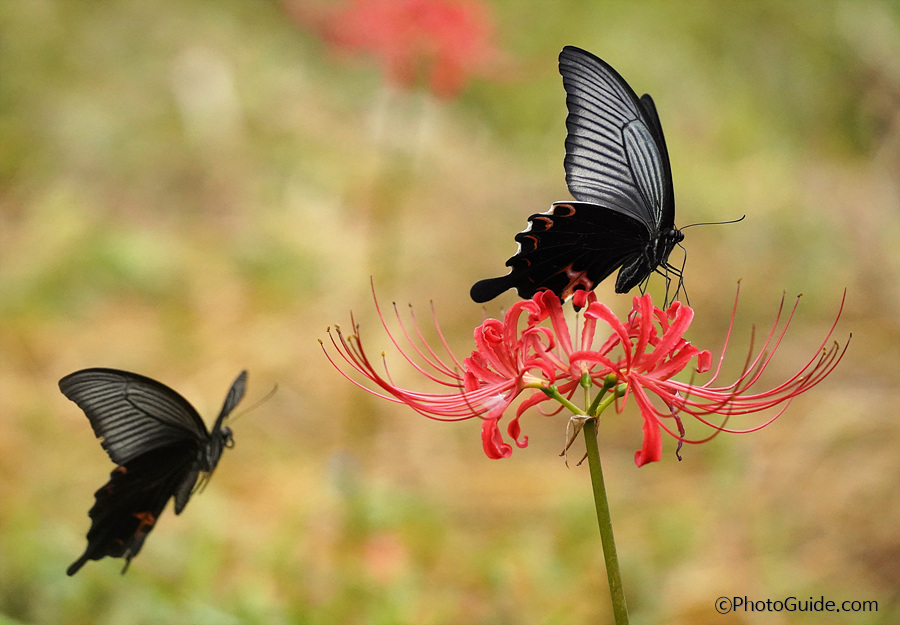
(617, 169)
(161, 448)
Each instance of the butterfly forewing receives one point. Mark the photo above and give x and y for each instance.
(130, 413)
(234, 397)
(601, 105)
(644, 161)
(667, 218)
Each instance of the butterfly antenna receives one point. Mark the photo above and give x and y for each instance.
(254, 406)
(715, 223)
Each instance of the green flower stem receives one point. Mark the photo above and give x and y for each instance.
(603, 400)
(616, 591)
(553, 393)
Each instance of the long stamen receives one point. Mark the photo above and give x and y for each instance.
(533, 347)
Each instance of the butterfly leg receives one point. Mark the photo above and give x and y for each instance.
(673, 273)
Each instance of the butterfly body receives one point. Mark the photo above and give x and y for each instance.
(617, 168)
(161, 448)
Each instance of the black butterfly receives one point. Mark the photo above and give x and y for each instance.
(617, 168)
(160, 445)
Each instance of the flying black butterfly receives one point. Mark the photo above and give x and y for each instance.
(617, 168)
(160, 445)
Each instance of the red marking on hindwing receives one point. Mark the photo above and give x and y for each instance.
(576, 279)
(529, 243)
(546, 221)
(147, 519)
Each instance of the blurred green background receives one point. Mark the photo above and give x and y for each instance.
(191, 188)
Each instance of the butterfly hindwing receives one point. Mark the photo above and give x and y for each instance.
(574, 245)
(126, 508)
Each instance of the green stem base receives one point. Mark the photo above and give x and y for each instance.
(617, 593)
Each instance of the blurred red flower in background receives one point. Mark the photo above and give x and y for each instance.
(438, 43)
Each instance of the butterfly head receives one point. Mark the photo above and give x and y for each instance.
(667, 241)
(226, 438)
(220, 439)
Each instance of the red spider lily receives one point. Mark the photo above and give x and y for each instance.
(483, 385)
(639, 357)
(655, 350)
(439, 42)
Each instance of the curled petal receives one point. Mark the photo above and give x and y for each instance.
(704, 361)
(515, 431)
(492, 440)
(651, 450)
